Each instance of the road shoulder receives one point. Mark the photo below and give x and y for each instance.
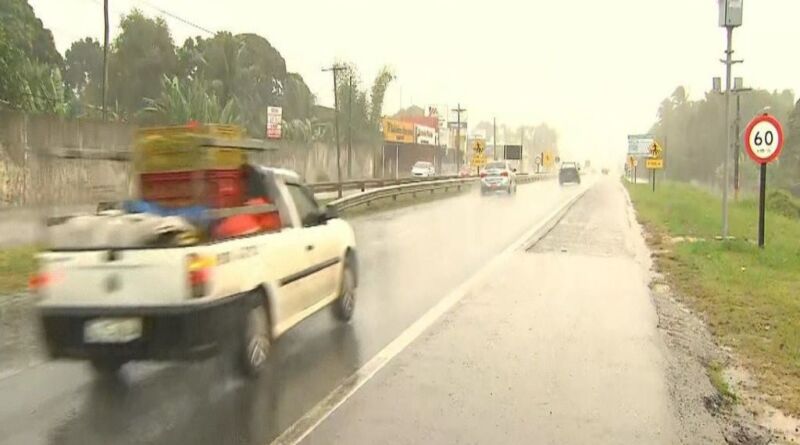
(562, 346)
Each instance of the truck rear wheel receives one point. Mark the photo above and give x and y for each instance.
(255, 342)
(107, 366)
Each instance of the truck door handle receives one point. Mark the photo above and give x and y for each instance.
(309, 247)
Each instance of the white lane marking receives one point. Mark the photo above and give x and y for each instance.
(322, 410)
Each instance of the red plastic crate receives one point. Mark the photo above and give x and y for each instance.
(213, 188)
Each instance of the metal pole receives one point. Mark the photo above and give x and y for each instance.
(458, 111)
(397, 161)
(350, 129)
(654, 180)
(494, 137)
(736, 148)
(726, 152)
(335, 69)
(762, 195)
(458, 139)
(105, 58)
(338, 146)
(522, 150)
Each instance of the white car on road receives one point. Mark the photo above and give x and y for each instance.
(423, 169)
(110, 304)
(498, 176)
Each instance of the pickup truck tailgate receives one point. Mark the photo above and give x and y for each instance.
(114, 277)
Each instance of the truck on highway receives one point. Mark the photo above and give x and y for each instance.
(114, 300)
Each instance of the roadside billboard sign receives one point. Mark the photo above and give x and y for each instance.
(425, 135)
(274, 118)
(639, 144)
(398, 131)
(512, 152)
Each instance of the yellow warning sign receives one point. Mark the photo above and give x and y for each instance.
(656, 151)
(478, 146)
(654, 164)
(549, 159)
(478, 160)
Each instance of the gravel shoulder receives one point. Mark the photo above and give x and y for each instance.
(712, 394)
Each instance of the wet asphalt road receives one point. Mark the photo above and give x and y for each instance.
(410, 258)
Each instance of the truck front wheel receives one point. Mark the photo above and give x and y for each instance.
(344, 305)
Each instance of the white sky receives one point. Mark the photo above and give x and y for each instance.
(596, 70)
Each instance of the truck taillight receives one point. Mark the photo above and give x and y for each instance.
(41, 280)
(483, 174)
(199, 268)
(504, 173)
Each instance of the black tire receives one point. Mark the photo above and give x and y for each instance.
(106, 366)
(344, 305)
(253, 346)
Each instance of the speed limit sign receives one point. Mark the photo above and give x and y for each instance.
(763, 139)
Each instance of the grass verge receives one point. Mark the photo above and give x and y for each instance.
(748, 296)
(16, 266)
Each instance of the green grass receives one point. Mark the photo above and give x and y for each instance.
(750, 297)
(16, 266)
(715, 374)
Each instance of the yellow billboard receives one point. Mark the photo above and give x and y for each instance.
(398, 131)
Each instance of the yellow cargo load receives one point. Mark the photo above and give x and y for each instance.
(192, 147)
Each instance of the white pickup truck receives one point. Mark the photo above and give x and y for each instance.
(114, 305)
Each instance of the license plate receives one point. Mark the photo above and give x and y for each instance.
(112, 330)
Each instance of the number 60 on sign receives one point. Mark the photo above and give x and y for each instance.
(764, 139)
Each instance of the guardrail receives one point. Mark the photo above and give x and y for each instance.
(369, 196)
(364, 184)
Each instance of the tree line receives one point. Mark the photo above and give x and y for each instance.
(225, 78)
(693, 132)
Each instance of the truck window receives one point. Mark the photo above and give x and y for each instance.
(307, 206)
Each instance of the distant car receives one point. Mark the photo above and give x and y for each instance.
(498, 177)
(569, 172)
(605, 171)
(423, 169)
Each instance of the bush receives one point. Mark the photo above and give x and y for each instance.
(780, 201)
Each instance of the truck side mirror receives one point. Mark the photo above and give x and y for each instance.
(328, 213)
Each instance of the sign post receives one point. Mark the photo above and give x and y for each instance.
(763, 141)
(655, 161)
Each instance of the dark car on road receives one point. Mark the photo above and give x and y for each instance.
(569, 172)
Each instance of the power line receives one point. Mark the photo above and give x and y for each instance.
(165, 12)
(177, 17)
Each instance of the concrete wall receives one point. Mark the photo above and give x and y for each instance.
(36, 168)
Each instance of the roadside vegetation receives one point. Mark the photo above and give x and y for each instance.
(748, 296)
(16, 266)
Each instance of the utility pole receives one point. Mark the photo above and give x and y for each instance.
(730, 17)
(458, 112)
(335, 69)
(105, 57)
(738, 90)
(494, 137)
(350, 128)
(522, 149)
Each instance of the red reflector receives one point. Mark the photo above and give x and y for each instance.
(483, 175)
(200, 276)
(504, 174)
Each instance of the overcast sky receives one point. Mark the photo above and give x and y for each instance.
(596, 70)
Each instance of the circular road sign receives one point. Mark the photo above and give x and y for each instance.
(763, 139)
